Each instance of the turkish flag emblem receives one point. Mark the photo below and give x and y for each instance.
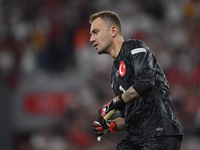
(122, 69)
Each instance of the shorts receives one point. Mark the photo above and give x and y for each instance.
(157, 143)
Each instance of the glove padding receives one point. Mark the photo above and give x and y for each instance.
(100, 131)
(113, 127)
(116, 104)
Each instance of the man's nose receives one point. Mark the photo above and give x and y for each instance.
(92, 39)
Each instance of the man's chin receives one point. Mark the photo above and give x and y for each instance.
(99, 52)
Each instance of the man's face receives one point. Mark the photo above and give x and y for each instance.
(100, 36)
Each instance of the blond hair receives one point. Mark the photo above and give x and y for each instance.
(109, 17)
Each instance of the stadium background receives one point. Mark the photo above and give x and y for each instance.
(52, 82)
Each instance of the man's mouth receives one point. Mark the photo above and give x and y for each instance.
(95, 45)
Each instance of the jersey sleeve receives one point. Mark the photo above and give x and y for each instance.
(142, 62)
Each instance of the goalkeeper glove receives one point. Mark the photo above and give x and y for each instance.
(100, 131)
(116, 104)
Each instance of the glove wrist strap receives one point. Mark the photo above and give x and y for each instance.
(118, 103)
(113, 127)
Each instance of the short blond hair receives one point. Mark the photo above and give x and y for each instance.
(109, 17)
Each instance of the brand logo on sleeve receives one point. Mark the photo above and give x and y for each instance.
(137, 50)
(122, 69)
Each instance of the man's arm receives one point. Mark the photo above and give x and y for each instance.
(130, 95)
(117, 124)
(109, 109)
(118, 103)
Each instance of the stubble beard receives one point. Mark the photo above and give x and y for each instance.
(105, 48)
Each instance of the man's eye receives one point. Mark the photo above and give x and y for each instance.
(95, 32)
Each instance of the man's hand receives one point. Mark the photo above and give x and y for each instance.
(100, 131)
(102, 113)
(108, 110)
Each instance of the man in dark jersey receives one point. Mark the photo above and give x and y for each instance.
(143, 95)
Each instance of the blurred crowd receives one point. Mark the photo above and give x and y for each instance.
(50, 38)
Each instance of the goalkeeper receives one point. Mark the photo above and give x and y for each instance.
(143, 94)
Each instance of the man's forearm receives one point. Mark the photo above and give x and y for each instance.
(121, 126)
(130, 95)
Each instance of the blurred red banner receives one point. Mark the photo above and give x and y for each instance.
(47, 103)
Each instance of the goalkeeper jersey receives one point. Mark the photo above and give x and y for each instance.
(153, 114)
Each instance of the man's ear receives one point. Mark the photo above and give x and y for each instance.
(114, 31)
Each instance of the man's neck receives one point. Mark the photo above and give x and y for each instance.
(117, 44)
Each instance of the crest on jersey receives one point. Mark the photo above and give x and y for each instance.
(122, 69)
(137, 50)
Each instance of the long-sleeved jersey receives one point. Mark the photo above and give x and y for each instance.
(153, 114)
